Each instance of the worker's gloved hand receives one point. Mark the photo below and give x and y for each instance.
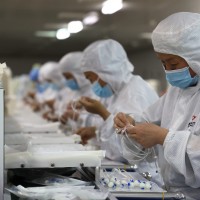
(94, 106)
(121, 120)
(86, 133)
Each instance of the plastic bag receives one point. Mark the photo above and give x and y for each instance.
(50, 179)
(50, 192)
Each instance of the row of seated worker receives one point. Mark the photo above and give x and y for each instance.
(97, 93)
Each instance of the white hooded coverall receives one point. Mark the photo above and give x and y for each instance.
(109, 61)
(179, 109)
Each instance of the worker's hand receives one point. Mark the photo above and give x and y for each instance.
(31, 95)
(52, 117)
(147, 134)
(86, 133)
(121, 120)
(64, 118)
(94, 106)
(68, 114)
(35, 107)
(72, 115)
(50, 103)
(74, 105)
(45, 115)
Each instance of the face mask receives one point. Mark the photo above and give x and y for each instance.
(41, 87)
(72, 84)
(105, 91)
(53, 86)
(181, 78)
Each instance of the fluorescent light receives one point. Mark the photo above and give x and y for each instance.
(50, 34)
(62, 34)
(75, 26)
(91, 18)
(111, 6)
(55, 25)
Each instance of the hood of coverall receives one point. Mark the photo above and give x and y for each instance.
(178, 34)
(71, 62)
(41, 75)
(108, 59)
(50, 70)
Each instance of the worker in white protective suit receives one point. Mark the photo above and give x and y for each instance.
(172, 123)
(76, 86)
(34, 96)
(106, 65)
(41, 84)
(50, 74)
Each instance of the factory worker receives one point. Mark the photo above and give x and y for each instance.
(75, 85)
(51, 75)
(172, 124)
(30, 97)
(107, 67)
(34, 74)
(37, 75)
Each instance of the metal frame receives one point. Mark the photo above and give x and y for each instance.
(1, 142)
(149, 195)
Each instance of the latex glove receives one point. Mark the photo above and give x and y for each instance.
(86, 133)
(95, 107)
(121, 120)
(147, 134)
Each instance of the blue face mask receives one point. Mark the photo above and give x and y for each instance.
(41, 87)
(181, 78)
(100, 91)
(53, 86)
(72, 84)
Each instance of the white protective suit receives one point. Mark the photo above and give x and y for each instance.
(40, 95)
(50, 71)
(179, 109)
(71, 63)
(109, 61)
